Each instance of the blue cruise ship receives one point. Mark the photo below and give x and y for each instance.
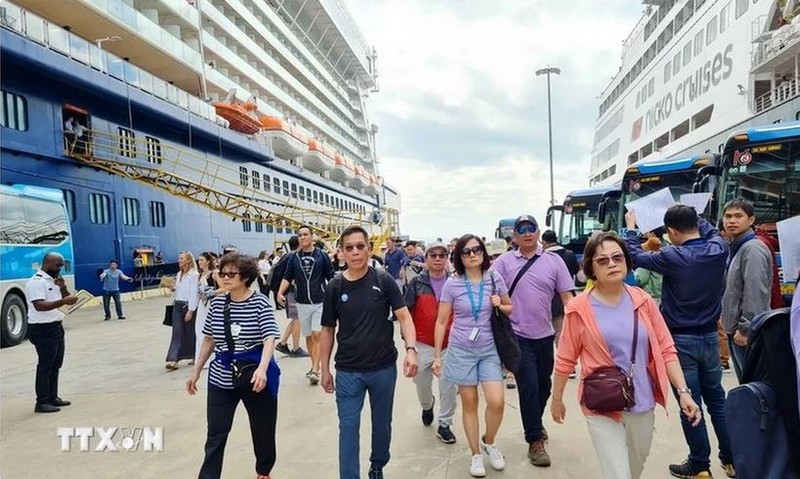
(174, 125)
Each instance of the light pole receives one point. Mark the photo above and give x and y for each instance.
(547, 71)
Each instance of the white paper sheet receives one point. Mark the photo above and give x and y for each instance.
(698, 200)
(83, 298)
(789, 239)
(650, 209)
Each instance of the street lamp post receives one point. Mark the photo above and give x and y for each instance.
(547, 71)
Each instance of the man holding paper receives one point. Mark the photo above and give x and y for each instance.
(46, 292)
(693, 270)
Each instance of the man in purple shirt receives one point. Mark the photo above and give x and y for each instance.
(544, 276)
(795, 328)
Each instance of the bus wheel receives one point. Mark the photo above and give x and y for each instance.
(13, 320)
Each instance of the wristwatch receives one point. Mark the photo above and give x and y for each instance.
(684, 391)
(412, 348)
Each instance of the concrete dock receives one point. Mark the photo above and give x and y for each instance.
(114, 375)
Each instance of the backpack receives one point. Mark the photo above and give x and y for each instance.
(276, 276)
(770, 360)
(776, 297)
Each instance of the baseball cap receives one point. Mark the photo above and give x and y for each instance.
(525, 219)
(434, 246)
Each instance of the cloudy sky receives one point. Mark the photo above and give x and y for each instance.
(463, 118)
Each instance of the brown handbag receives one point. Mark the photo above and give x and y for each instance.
(610, 388)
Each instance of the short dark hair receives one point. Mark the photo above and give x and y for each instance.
(458, 263)
(294, 243)
(591, 250)
(310, 231)
(351, 230)
(742, 204)
(682, 218)
(247, 266)
(410, 243)
(549, 236)
(113, 261)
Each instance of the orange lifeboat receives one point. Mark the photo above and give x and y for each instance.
(374, 186)
(343, 171)
(239, 115)
(287, 140)
(361, 179)
(318, 157)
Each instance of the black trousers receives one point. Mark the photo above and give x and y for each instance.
(48, 338)
(262, 410)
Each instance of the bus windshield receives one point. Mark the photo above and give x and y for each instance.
(505, 229)
(768, 176)
(678, 182)
(580, 221)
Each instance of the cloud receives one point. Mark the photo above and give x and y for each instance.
(462, 115)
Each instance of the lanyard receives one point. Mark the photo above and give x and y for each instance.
(476, 308)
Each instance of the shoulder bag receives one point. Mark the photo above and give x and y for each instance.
(610, 388)
(167, 315)
(242, 369)
(505, 339)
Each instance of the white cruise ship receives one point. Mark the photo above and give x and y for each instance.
(692, 71)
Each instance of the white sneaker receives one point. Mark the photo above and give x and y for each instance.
(496, 459)
(476, 468)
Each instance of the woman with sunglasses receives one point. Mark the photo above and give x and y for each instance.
(184, 305)
(245, 343)
(472, 358)
(599, 331)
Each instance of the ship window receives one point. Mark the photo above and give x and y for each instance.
(256, 180)
(294, 190)
(247, 225)
(667, 72)
(646, 150)
(680, 130)
(327, 200)
(724, 17)
(711, 30)
(741, 7)
(302, 193)
(243, 178)
(687, 53)
(651, 86)
(676, 64)
(662, 141)
(99, 209)
(797, 115)
(267, 182)
(270, 228)
(69, 201)
(259, 224)
(703, 117)
(285, 188)
(153, 150)
(13, 111)
(316, 195)
(276, 185)
(130, 212)
(157, 217)
(698, 43)
(127, 142)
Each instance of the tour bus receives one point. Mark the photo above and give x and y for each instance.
(576, 219)
(33, 221)
(505, 228)
(762, 165)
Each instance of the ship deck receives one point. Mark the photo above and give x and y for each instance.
(114, 375)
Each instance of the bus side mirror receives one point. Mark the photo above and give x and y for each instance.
(548, 218)
(601, 211)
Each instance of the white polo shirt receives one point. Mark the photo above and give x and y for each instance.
(42, 286)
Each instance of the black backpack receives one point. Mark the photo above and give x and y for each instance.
(276, 276)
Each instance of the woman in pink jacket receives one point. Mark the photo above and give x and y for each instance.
(598, 330)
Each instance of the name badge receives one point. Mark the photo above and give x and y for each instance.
(474, 334)
(235, 330)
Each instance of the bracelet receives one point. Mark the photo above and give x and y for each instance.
(685, 390)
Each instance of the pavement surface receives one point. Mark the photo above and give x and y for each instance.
(114, 375)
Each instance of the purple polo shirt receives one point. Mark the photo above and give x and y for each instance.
(532, 317)
(455, 293)
(794, 326)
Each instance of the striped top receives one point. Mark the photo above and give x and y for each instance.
(255, 322)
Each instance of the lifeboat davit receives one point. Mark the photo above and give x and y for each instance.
(361, 179)
(239, 115)
(287, 140)
(318, 157)
(343, 169)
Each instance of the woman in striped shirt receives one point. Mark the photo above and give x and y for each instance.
(251, 333)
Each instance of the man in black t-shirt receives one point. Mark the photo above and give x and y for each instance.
(359, 301)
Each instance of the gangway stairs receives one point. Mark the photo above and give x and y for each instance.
(193, 177)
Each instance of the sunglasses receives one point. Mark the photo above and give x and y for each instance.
(526, 228)
(437, 255)
(351, 247)
(617, 258)
(228, 274)
(476, 250)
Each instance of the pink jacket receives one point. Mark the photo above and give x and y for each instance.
(581, 338)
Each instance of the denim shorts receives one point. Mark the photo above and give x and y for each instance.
(468, 367)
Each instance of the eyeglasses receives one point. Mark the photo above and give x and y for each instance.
(228, 274)
(617, 258)
(437, 255)
(358, 246)
(476, 250)
(526, 228)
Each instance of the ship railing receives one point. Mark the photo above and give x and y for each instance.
(58, 39)
(773, 43)
(781, 93)
(198, 178)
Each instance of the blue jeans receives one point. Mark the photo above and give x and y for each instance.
(738, 355)
(107, 296)
(534, 383)
(351, 387)
(699, 358)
